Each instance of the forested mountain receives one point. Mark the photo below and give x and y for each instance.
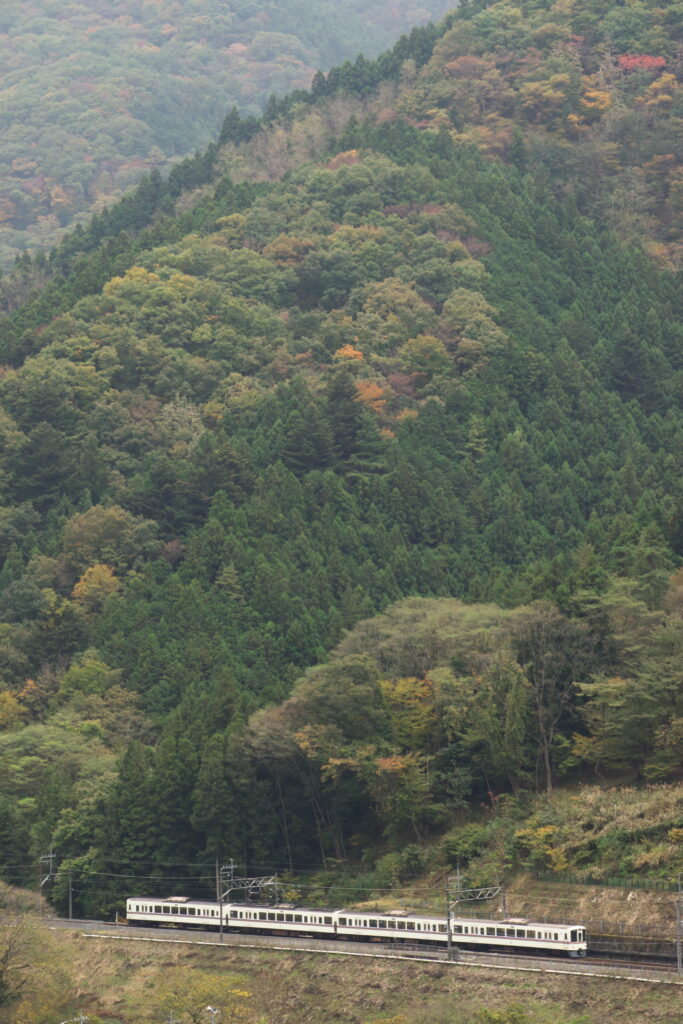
(95, 93)
(391, 343)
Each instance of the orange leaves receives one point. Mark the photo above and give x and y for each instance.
(348, 352)
(596, 99)
(371, 393)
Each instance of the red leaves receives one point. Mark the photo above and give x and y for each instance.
(640, 62)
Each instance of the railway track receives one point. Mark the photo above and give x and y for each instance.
(592, 966)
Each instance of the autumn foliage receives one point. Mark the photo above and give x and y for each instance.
(640, 62)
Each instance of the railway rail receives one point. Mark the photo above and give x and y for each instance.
(593, 966)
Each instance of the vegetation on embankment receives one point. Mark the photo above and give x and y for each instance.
(139, 983)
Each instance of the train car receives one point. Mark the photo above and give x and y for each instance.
(520, 936)
(177, 910)
(516, 935)
(285, 919)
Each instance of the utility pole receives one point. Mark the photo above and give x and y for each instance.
(219, 897)
(679, 931)
(71, 896)
(455, 894)
(48, 860)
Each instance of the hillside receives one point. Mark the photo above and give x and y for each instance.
(132, 983)
(95, 94)
(383, 358)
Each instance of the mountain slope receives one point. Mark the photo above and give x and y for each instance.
(409, 366)
(94, 95)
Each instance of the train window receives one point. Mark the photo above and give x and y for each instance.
(410, 925)
(342, 920)
(490, 931)
(419, 927)
(157, 910)
(271, 917)
(233, 913)
(457, 929)
(442, 927)
(521, 934)
(289, 917)
(466, 930)
(531, 935)
(382, 924)
(262, 917)
(183, 911)
(328, 920)
(174, 910)
(373, 924)
(510, 932)
(297, 918)
(555, 936)
(500, 931)
(401, 925)
(280, 917)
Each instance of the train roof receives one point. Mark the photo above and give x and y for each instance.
(178, 900)
(490, 922)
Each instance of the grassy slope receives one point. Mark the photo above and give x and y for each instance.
(116, 981)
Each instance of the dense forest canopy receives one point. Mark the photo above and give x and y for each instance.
(96, 93)
(398, 360)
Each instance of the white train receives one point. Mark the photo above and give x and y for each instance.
(516, 934)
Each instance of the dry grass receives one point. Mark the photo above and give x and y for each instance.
(118, 982)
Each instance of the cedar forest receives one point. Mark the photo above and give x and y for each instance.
(340, 470)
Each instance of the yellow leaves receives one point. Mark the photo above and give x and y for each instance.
(539, 844)
(596, 99)
(675, 835)
(348, 352)
(130, 285)
(660, 92)
(11, 711)
(412, 711)
(95, 586)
